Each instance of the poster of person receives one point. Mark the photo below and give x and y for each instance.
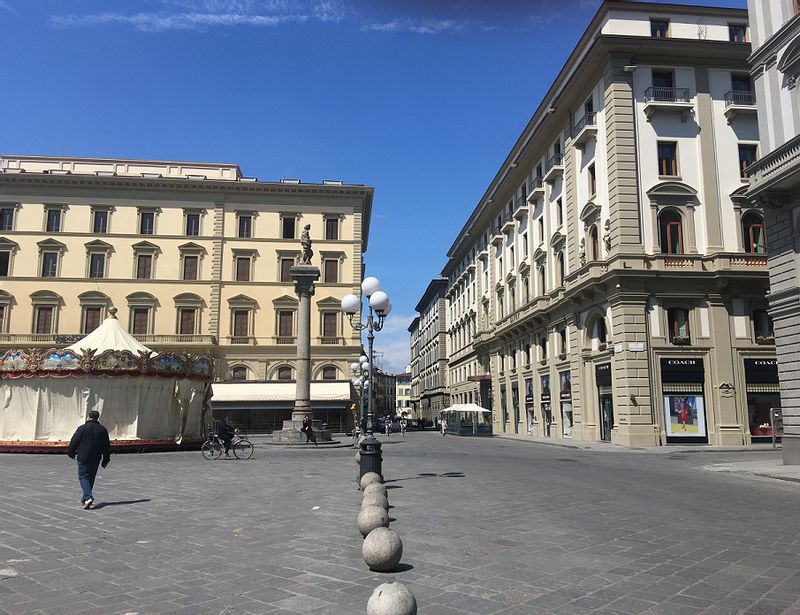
(566, 385)
(685, 415)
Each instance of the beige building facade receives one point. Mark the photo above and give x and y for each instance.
(194, 256)
(611, 282)
(429, 352)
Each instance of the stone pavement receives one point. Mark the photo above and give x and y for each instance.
(489, 526)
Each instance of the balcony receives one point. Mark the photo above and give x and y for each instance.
(331, 341)
(242, 339)
(585, 129)
(739, 102)
(177, 340)
(60, 340)
(777, 170)
(667, 99)
(535, 188)
(520, 208)
(554, 167)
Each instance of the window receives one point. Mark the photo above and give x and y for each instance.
(287, 226)
(144, 266)
(100, 221)
(91, 319)
(332, 228)
(559, 212)
(659, 28)
(747, 156)
(3, 313)
(286, 269)
(329, 373)
(53, 220)
(331, 271)
(737, 33)
(284, 373)
(241, 326)
(147, 222)
(7, 219)
(541, 280)
(329, 324)
(193, 223)
(190, 266)
(44, 320)
(285, 323)
(561, 272)
(678, 319)
(741, 83)
(592, 180)
(753, 233)
(671, 233)
(243, 268)
(239, 373)
(245, 231)
(762, 327)
(5, 263)
(541, 229)
(562, 342)
(602, 331)
(97, 265)
(663, 79)
(594, 244)
(543, 348)
(140, 320)
(186, 321)
(667, 158)
(49, 264)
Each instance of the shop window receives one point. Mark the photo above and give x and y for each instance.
(190, 267)
(284, 372)
(667, 158)
(100, 221)
(245, 228)
(331, 271)
(332, 228)
(243, 268)
(747, 156)
(144, 266)
(91, 319)
(192, 223)
(329, 372)
(43, 321)
(671, 232)
(147, 222)
(762, 327)
(97, 265)
(659, 28)
(286, 269)
(737, 33)
(287, 227)
(239, 373)
(594, 244)
(187, 321)
(140, 320)
(7, 219)
(53, 220)
(753, 233)
(678, 320)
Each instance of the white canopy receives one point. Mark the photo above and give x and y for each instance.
(278, 391)
(465, 408)
(108, 336)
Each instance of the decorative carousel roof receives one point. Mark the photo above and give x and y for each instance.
(109, 336)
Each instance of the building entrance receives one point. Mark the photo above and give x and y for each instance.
(606, 403)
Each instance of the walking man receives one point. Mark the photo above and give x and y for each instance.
(91, 446)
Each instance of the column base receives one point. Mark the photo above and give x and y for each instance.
(791, 450)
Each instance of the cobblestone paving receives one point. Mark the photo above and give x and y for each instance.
(488, 526)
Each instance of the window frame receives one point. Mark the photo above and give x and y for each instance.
(85, 309)
(279, 322)
(237, 258)
(655, 25)
(744, 163)
(673, 325)
(733, 29)
(755, 317)
(325, 315)
(664, 232)
(748, 242)
(141, 218)
(139, 257)
(240, 218)
(184, 258)
(240, 369)
(285, 219)
(105, 211)
(332, 222)
(92, 270)
(672, 148)
(195, 320)
(37, 312)
(4, 227)
(56, 264)
(59, 211)
(188, 215)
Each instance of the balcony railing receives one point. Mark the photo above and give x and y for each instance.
(242, 339)
(772, 169)
(176, 339)
(331, 341)
(586, 120)
(60, 340)
(672, 95)
(740, 97)
(555, 164)
(285, 340)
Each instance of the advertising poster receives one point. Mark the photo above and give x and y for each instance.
(685, 415)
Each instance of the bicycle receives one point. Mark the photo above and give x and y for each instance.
(213, 447)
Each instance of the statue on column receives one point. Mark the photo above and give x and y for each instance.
(305, 241)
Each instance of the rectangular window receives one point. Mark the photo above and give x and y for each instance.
(7, 219)
(241, 323)
(559, 212)
(541, 229)
(287, 227)
(245, 226)
(147, 222)
(100, 222)
(140, 321)
(331, 271)
(747, 156)
(741, 83)
(193, 224)
(91, 319)
(663, 79)
(678, 325)
(44, 320)
(592, 180)
(737, 33)
(5, 263)
(3, 319)
(243, 269)
(144, 266)
(286, 269)
(331, 228)
(285, 321)
(659, 28)
(667, 158)
(49, 264)
(190, 267)
(97, 265)
(329, 321)
(53, 220)
(186, 321)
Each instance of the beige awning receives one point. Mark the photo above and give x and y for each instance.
(278, 391)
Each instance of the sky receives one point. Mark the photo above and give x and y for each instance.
(421, 99)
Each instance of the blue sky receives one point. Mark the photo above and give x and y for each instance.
(419, 98)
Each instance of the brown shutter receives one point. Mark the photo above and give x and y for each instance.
(44, 320)
(331, 271)
(331, 228)
(286, 265)
(187, 322)
(141, 317)
(190, 267)
(144, 266)
(285, 324)
(242, 269)
(329, 324)
(91, 319)
(241, 323)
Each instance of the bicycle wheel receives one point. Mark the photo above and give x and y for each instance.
(243, 449)
(210, 450)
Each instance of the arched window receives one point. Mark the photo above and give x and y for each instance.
(755, 241)
(561, 269)
(671, 229)
(602, 332)
(593, 243)
(329, 372)
(542, 285)
(284, 373)
(239, 373)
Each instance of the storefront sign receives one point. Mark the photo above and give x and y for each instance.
(682, 370)
(602, 374)
(565, 383)
(761, 371)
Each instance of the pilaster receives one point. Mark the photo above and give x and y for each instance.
(708, 161)
(216, 270)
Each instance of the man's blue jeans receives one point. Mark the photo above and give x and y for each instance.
(86, 476)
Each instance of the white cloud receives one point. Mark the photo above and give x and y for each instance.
(418, 26)
(394, 343)
(156, 22)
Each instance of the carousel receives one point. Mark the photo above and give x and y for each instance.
(146, 400)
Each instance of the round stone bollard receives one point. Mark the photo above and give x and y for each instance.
(358, 458)
(392, 599)
(376, 488)
(372, 517)
(369, 478)
(375, 499)
(382, 549)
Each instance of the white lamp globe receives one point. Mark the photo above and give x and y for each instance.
(370, 286)
(356, 381)
(388, 309)
(379, 301)
(363, 358)
(351, 304)
(355, 366)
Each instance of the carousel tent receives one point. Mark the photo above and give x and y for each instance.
(141, 396)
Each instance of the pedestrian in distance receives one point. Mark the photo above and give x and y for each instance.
(91, 446)
(310, 435)
(387, 425)
(443, 425)
(403, 424)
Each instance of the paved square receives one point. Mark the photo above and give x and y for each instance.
(489, 526)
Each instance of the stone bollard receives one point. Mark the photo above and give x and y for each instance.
(375, 499)
(382, 549)
(372, 517)
(376, 488)
(369, 478)
(358, 458)
(392, 599)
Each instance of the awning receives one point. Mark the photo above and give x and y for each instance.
(465, 408)
(278, 391)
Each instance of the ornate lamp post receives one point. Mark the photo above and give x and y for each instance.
(379, 308)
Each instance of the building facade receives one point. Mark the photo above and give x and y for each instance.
(403, 394)
(194, 256)
(413, 332)
(775, 186)
(385, 393)
(611, 282)
(429, 351)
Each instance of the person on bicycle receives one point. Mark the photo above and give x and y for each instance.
(225, 433)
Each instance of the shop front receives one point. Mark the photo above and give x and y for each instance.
(565, 386)
(503, 406)
(763, 393)
(515, 404)
(682, 382)
(529, 412)
(547, 412)
(602, 376)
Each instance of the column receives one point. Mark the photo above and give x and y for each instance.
(304, 277)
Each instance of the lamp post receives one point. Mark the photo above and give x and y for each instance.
(379, 308)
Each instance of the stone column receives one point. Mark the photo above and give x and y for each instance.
(304, 277)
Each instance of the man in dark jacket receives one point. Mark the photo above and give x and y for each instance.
(225, 433)
(90, 445)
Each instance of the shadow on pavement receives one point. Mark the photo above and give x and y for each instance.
(120, 503)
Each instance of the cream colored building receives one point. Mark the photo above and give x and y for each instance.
(611, 282)
(194, 256)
